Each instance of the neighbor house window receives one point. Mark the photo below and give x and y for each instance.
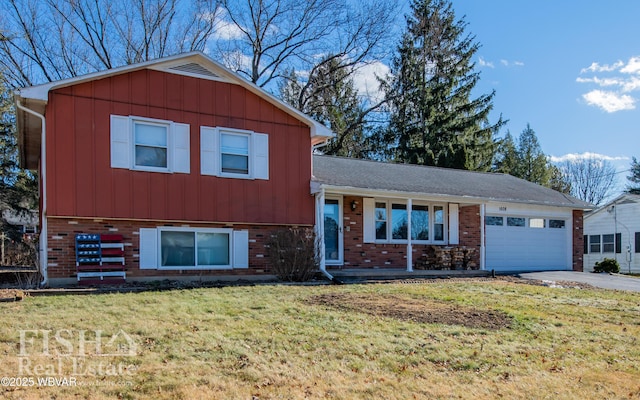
(608, 244)
(556, 223)
(151, 144)
(419, 222)
(203, 248)
(381, 221)
(594, 243)
(234, 152)
(637, 243)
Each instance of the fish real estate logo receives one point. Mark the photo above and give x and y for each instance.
(75, 353)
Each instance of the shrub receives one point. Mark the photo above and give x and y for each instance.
(607, 265)
(294, 254)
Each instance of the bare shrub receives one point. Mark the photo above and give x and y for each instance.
(293, 253)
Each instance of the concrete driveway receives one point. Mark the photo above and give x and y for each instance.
(604, 281)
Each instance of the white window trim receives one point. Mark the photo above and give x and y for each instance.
(123, 146)
(211, 153)
(390, 240)
(132, 134)
(195, 231)
(250, 151)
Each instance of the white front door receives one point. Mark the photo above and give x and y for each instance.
(333, 246)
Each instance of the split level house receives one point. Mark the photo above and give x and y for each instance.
(613, 231)
(179, 168)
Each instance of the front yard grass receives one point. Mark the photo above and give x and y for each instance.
(392, 341)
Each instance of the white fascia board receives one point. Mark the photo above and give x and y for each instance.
(347, 190)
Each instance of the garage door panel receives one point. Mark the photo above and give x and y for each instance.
(510, 248)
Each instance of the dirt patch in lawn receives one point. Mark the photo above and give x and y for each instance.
(11, 295)
(415, 310)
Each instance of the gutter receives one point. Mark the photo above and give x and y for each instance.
(43, 193)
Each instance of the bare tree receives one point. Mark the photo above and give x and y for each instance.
(266, 38)
(47, 40)
(591, 179)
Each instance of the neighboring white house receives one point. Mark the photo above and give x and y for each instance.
(613, 231)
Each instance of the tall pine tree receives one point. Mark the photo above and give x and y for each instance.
(433, 118)
(532, 162)
(330, 97)
(634, 178)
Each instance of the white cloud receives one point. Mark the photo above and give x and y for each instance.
(366, 82)
(632, 67)
(483, 63)
(518, 63)
(224, 28)
(609, 101)
(625, 83)
(596, 67)
(586, 155)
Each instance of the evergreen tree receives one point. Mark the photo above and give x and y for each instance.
(532, 162)
(634, 178)
(18, 188)
(506, 155)
(558, 180)
(433, 118)
(329, 96)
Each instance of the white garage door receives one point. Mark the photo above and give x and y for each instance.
(526, 244)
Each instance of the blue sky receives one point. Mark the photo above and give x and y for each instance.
(569, 68)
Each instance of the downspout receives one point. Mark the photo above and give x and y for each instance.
(43, 193)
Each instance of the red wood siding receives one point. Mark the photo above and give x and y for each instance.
(82, 183)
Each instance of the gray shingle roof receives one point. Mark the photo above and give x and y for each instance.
(372, 175)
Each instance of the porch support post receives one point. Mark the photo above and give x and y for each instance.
(482, 237)
(409, 244)
(320, 228)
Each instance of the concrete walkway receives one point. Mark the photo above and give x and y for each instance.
(604, 281)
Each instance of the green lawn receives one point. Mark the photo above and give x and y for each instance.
(354, 341)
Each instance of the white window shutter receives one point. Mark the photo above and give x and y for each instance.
(260, 156)
(369, 220)
(148, 248)
(120, 142)
(181, 150)
(209, 151)
(240, 249)
(454, 224)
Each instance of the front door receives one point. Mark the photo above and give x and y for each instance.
(333, 231)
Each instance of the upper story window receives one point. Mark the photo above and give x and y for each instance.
(151, 143)
(234, 153)
(147, 144)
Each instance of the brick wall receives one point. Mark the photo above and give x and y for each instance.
(62, 258)
(578, 240)
(358, 254)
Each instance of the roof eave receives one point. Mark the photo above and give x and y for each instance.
(351, 190)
